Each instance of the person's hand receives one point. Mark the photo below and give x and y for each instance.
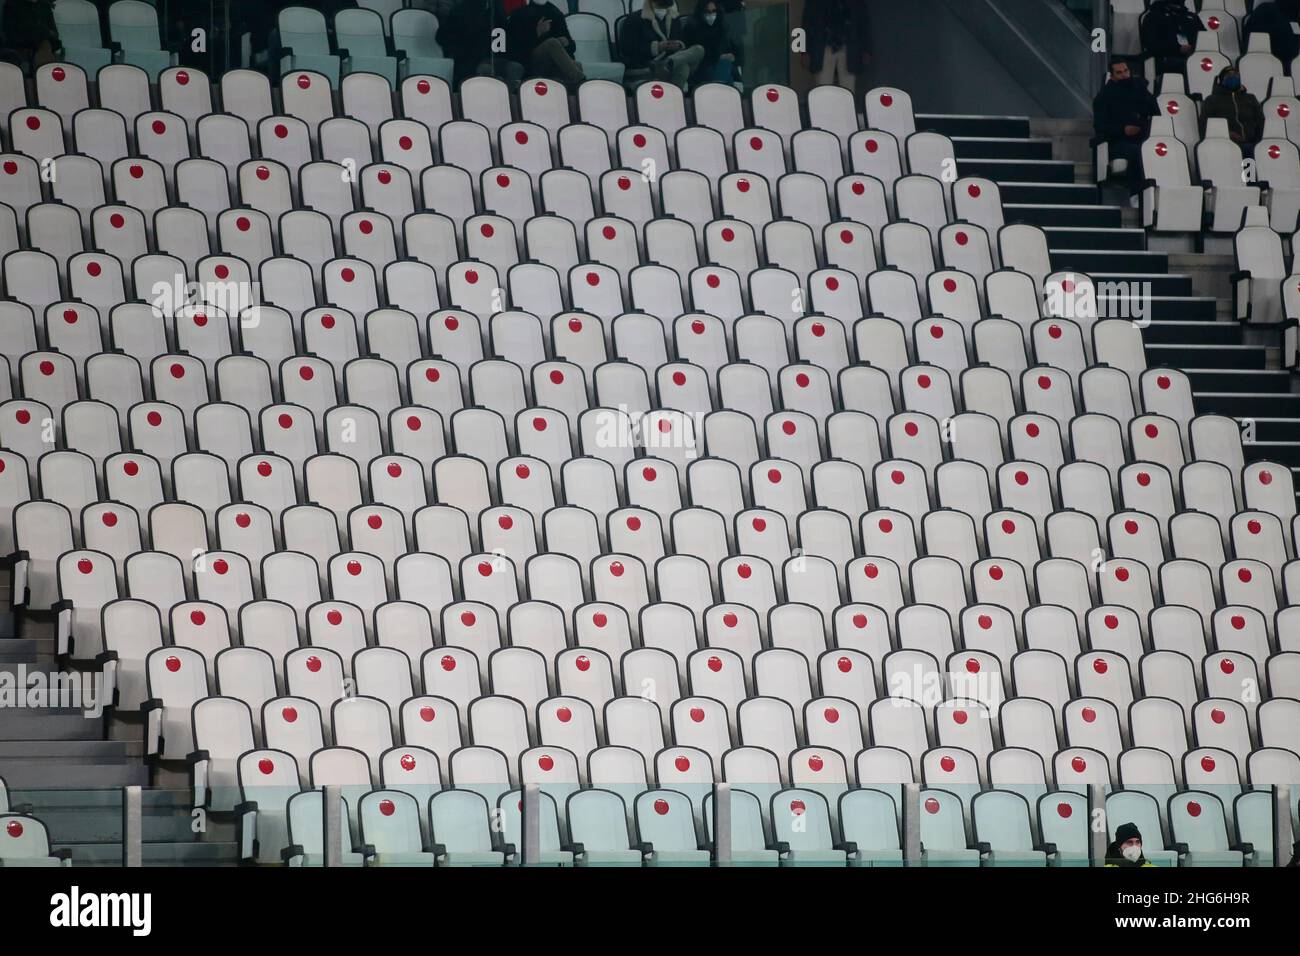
(1132, 130)
(543, 26)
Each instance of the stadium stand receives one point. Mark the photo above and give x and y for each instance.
(446, 446)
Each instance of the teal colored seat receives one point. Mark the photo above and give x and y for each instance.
(598, 830)
(361, 33)
(415, 34)
(1063, 823)
(802, 821)
(1254, 813)
(390, 830)
(869, 822)
(134, 27)
(307, 830)
(83, 44)
(510, 812)
(748, 841)
(1139, 808)
(665, 821)
(24, 841)
(943, 831)
(1196, 821)
(458, 822)
(1001, 820)
(305, 43)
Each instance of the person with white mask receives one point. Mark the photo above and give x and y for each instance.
(654, 39)
(1126, 848)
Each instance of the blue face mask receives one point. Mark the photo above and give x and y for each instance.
(1232, 82)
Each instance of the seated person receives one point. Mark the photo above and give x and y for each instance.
(1233, 102)
(722, 56)
(465, 35)
(1275, 18)
(1168, 30)
(653, 40)
(1122, 115)
(537, 38)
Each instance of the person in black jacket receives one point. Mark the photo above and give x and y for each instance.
(1275, 18)
(30, 32)
(838, 35)
(722, 56)
(537, 38)
(655, 39)
(1121, 116)
(465, 35)
(1168, 30)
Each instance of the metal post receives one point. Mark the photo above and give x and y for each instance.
(722, 823)
(911, 824)
(531, 831)
(132, 826)
(1098, 839)
(1282, 826)
(333, 821)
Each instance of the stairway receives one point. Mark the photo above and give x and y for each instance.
(68, 770)
(1234, 370)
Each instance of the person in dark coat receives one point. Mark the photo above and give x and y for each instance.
(1168, 30)
(1233, 102)
(707, 29)
(839, 40)
(1275, 18)
(654, 38)
(1121, 117)
(537, 38)
(30, 32)
(1126, 849)
(465, 35)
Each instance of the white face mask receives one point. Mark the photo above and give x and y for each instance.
(1132, 853)
(710, 18)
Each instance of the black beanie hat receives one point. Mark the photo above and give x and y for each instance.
(1126, 832)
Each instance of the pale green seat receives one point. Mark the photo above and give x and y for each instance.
(802, 821)
(943, 831)
(1196, 821)
(1001, 820)
(83, 44)
(748, 841)
(361, 33)
(307, 832)
(415, 34)
(665, 821)
(1063, 823)
(591, 47)
(598, 834)
(133, 26)
(461, 833)
(305, 43)
(548, 829)
(869, 821)
(1140, 809)
(1254, 813)
(24, 841)
(390, 830)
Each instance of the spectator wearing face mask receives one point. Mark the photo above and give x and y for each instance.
(654, 39)
(1121, 116)
(1233, 102)
(1168, 30)
(1126, 848)
(722, 57)
(1275, 18)
(537, 37)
